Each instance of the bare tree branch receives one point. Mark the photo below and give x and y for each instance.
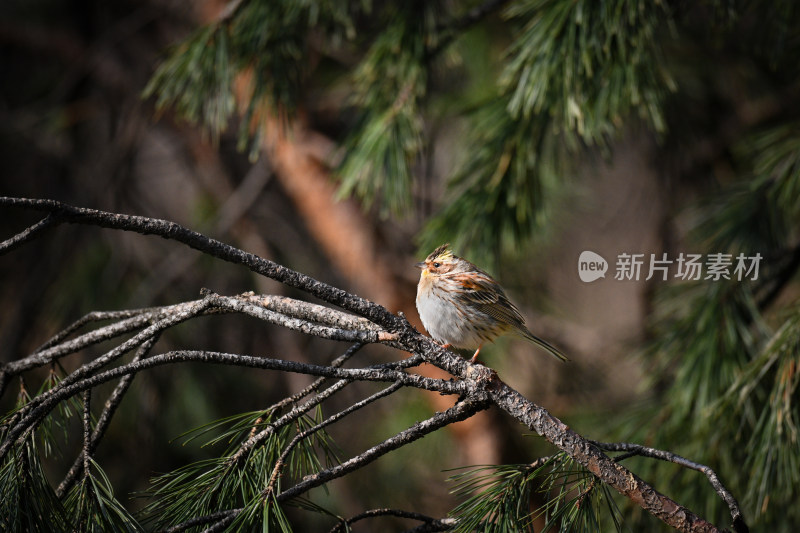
(458, 412)
(281, 462)
(221, 517)
(163, 228)
(361, 331)
(631, 449)
(593, 459)
(27, 234)
(103, 421)
(34, 414)
(443, 524)
(88, 318)
(477, 386)
(174, 315)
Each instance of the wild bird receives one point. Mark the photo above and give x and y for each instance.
(464, 307)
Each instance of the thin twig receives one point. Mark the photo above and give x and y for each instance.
(23, 414)
(298, 411)
(478, 385)
(310, 312)
(314, 387)
(441, 524)
(94, 316)
(460, 411)
(170, 230)
(172, 316)
(27, 234)
(87, 432)
(51, 351)
(631, 449)
(277, 470)
(104, 420)
(46, 402)
(372, 513)
(201, 521)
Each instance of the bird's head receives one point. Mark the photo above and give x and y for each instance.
(440, 261)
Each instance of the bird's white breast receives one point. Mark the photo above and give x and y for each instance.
(441, 318)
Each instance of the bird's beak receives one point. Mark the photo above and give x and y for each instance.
(420, 265)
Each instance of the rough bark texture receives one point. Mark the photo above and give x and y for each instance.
(477, 385)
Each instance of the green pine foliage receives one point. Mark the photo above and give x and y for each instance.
(573, 74)
(765, 397)
(94, 508)
(500, 499)
(594, 65)
(498, 196)
(267, 39)
(236, 480)
(388, 88)
(726, 352)
(29, 502)
(197, 80)
(588, 64)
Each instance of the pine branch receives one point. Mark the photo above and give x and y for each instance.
(27, 234)
(442, 524)
(88, 318)
(458, 412)
(103, 421)
(257, 439)
(315, 386)
(593, 459)
(450, 30)
(389, 86)
(149, 226)
(429, 522)
(359, 331)
(477, 386)
(277, 471)
(86, 460)
(174, 316)
(43, 404)
(25, 413)
(307, 317)
(221, 517)
(631, 449)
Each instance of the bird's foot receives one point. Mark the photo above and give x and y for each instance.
(475, 355)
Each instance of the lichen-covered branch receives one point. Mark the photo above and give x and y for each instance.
(365, 322)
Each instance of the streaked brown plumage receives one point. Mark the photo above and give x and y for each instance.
(462, 306)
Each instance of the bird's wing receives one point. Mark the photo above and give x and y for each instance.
(485, 295)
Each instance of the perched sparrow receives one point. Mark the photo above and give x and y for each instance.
(462, 306)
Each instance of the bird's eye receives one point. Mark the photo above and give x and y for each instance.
(437, 265)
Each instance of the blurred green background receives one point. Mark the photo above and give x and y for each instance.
(522, 132)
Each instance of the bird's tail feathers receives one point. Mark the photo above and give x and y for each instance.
(555, 352)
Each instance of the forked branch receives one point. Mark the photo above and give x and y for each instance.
(364, 322)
